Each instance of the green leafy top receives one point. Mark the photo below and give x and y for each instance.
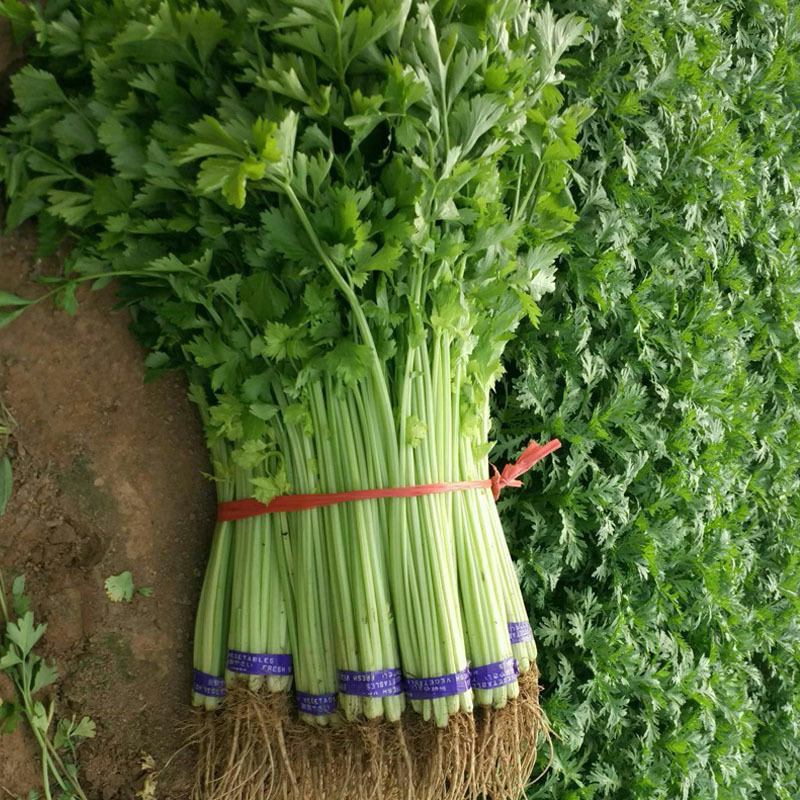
(290, 191)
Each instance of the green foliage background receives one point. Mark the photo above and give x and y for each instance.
(659, 550)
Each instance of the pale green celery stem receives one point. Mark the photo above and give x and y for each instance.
(258, 546)
(340, 576)
(376, 456)
(264, 613)
(314, 658)
(402, 575)
(483, 608)
(438, 459)
(286, 568)
(448, 387)
(359, 550)
(476, 601)
(269, 625)
(315, 655)
(485, 541)
(422, 564)
(525, 653)
(376, 450)
(414, 624)
(239, 633)
(431, 548)
(416, 606)
(428, 528)
(484, 624)
(213, 611)
(358, 566)
(357, 452)
(279, 599)
(488, 557)
(441, 384)
(259, 621)
(362, 658)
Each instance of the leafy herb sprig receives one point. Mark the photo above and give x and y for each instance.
(30, 674)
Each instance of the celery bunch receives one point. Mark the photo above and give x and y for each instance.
(331, 215)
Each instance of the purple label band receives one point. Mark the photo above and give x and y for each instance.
(520, 632)
(493, 676)
(208, 685)
(441, 686)
(259, 663)
(317, 704)
(381, 683)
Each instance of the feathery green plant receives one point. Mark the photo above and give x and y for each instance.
(659, 557)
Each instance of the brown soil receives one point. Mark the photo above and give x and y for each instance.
(107, 475)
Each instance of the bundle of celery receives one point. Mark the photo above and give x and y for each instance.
(332, 215)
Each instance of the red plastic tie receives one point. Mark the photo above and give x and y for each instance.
(511, 472)
(250, 507)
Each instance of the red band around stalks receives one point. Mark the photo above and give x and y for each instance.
(242, 509)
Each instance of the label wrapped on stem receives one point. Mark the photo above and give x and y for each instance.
(520, 632)
(439, 686)
(319, 705)
(380, 683)
(493, 676)
(259, 663)
(208, 685)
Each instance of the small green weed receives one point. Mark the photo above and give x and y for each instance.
(30, 674)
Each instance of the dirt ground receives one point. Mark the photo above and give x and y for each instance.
(107, 478)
